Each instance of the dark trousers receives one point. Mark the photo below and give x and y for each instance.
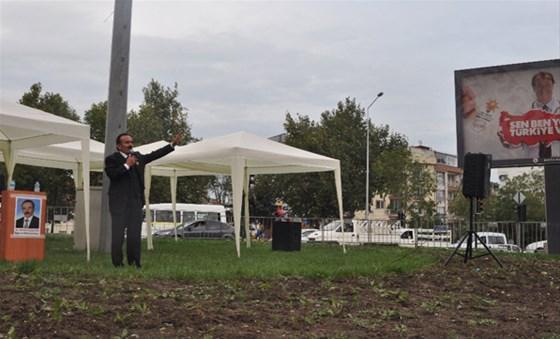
(129, 218)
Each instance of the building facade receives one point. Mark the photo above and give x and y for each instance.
(448, 179)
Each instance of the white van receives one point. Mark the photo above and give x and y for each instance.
(380, 232)
(162, 215)
(494, 240)
(357, 232)
(332, 232)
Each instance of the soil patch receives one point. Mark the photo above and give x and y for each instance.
(477, 299)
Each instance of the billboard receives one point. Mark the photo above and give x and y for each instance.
(511, 112)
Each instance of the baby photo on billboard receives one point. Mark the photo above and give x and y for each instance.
(27, 216)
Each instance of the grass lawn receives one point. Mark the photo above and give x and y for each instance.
(216, 259)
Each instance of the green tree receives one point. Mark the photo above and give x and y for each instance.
(532, 186)
(96, 117)
(460, 207)
(417, 194)
(267, 188)
(339, 134)
(58, 183)
(500, 206)
(160, 117)
(49, 102)
(219, 188)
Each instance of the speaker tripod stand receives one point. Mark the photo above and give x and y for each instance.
(469, 237)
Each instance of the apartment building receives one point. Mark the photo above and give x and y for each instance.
(448, 178)
(448, 182)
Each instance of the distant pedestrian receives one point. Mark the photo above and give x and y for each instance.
(260, 230)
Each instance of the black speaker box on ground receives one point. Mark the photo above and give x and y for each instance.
(476, 175)
(286, 236)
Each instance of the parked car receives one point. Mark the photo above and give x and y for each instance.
(441, 229)
(332, 232)
(305, 234)
(510, 248)
(207, 229)
(536, 247)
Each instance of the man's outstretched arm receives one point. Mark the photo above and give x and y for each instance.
(164, 150)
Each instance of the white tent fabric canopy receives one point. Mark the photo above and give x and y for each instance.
(172, 173)
(23, 129)
(67, 155)
(241, 155)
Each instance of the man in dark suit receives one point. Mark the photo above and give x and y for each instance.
(28, 220)
(125, 169)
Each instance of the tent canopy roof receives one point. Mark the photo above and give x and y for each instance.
(260, 155)
(162, 170)
(66, 155)
(25, 127)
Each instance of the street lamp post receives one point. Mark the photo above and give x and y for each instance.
(367, 164)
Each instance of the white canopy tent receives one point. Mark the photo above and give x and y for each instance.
(23, 129)
(241, 155)
(165, 171)
(66, 155)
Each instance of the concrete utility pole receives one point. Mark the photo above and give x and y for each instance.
(116, 107)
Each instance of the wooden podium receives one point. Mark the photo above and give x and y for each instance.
(22, 225)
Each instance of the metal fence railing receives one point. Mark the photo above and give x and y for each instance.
(516, 235)
(362, 232)
(60, 219)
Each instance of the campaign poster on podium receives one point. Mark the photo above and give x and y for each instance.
(27, 215)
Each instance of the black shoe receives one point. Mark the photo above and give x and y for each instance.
(119, 265)
(133, 263)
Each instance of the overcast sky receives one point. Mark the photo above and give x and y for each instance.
(243, 65)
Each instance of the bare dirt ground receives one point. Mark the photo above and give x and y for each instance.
(477, 300)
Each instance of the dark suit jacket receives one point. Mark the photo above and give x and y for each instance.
(33, 224)
(122, 181)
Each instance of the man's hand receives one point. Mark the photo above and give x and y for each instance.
(177, 139)
(131, 160)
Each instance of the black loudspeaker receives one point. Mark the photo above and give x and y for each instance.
(476, 175)
(286, 236)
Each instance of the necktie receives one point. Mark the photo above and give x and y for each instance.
(544, 151)
(26, 225)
